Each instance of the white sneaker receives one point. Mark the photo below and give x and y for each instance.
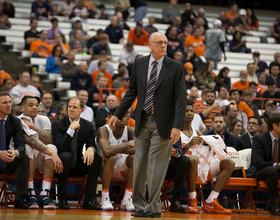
(105, 204)
(127, 205)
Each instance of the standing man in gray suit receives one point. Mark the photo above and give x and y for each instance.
(158, 81)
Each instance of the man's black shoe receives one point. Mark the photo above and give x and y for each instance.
(63, 204)
(91, 206)
(146, 214)
(21, 203)
(273, 211)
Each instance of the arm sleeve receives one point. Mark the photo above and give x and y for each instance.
(51, 63)
(258, 154)
(62, 140)
(34, 9)
(18, 138)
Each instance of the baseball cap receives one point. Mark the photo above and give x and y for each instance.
(16, 101)
(30, 96)
(242, 12)
(189, 68)
(270, 102)
(125, 77)
(256, 53)
(217, 23)
(139, 23)
(224, 103)
(76, 19)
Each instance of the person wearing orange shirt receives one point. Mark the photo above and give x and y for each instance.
(243, 83)
(138, 35)
(40, 48)
(253, 20)
(197, 41)
(102, 65)
(261, 87)
(231, 14)
(4, 75)
(61, 41)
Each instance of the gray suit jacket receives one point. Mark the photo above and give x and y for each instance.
(169, 96)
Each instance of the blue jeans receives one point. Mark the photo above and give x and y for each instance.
(140, 13)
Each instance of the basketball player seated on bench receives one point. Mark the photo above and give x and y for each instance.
(220, 170)
(118, 154)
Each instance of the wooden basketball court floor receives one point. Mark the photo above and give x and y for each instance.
(80, 214)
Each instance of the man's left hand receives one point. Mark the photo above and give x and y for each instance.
(89, 156)
(175, 135)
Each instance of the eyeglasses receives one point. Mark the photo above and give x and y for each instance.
(160, 43)
(252, 123)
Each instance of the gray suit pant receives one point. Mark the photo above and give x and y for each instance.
(150, 165)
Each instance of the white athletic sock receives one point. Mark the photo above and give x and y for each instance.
(46, 185)
(213, 195)
(30, 183)
(127, 194)
(192, 195)
(105, 194)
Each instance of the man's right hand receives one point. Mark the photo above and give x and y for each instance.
(74, 125)
(112, 122)
(58, 166)
(6, 156)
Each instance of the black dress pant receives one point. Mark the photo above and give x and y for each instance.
(271, 176)
(81, 169)
(22, 167)
(178, 169)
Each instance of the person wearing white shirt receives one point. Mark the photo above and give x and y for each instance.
(88, 113)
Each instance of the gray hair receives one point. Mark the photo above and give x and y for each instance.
(153, 36)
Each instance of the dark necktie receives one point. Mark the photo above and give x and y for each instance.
(2, 142)
(148, 104)
(275, 152)
(73, 150)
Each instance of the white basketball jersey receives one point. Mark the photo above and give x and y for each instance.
(185, 140)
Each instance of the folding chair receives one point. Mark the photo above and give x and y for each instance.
(4, 178)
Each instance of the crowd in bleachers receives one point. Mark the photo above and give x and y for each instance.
(97, 66)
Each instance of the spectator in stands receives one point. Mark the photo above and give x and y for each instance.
(192, 57)
(40, 47)
(214, 43)
(35, 81)
(61, 111)
(140, 7)
(81, 79)
(252, 77)
(246, 140)
(231, 14)
(24, 88)
(77, 26)
(100, 13)
(7, 82)
(201, 14)
(103, 111)
(177, 22)
(114, 31)
(32, 34)
(208, 109)
(123, 6)
(253, 20)
(125, 83)
(16, 107)
(75, 162)
(117, 83)
(42, 110)
(122, 22)
(94, 64)
(4, 75)
(274, 75)
(138, 35)
(260, 66)
(102, 66)
(255, 94)
(242, 106)
(232, 114)
(236, 45)
(54, 29)
(197, 41)
(187, 32)
(78, 44)
(247, 98)
(226, 23)
(65, 8)
(118, 157)
(95, 38)
(174, 43)
(199, 23)
(261, 87)
(150, 28)
(243, 83)
(272, 90)
(189, 79)
(188, 16)
(235, 128)
(269, 108)
(241, 23)
(41, 10)
(192, 97)
(54, 61)
(170, 12)
(204, 78)
(8, 9)
(60, 40)
(82, 11)
(69, 68)
(178, 55)
(93, 92)
(263, 127)
(101, 45)
(87, 114)
(222, 94)
(47, 102)
(222, 79)
(4, 19)
(276, 60)
(128, 54)
(275, 29)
